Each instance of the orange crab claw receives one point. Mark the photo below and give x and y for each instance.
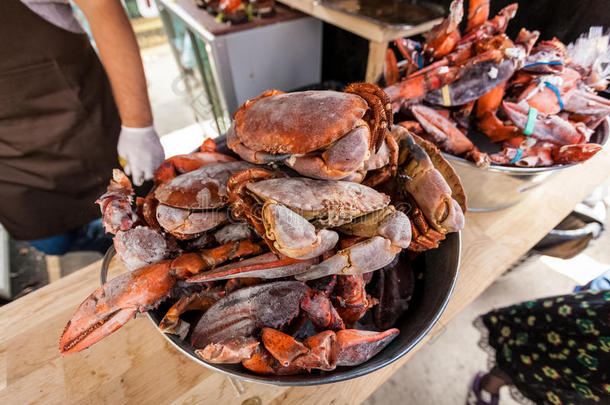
(179, 164)
(444, 37)
(478, 12)
(357, 346)
(114, 304)
(576, 153)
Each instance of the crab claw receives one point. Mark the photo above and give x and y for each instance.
(575, 153)
(326, 350)
(115, 204)
(444, 37)
(386, 239)
(243, 311)
(114, 304)
(429, 188)
(441, 130)
(549, 128)
(357, 346)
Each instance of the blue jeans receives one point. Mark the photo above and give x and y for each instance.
(90, 236)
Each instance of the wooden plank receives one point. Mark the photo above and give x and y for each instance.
(376, 60)
(359, 26)
(136, 365)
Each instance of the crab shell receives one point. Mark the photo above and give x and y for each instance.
(183, 200)
(297, 123)
(204, 188)
(328, 203)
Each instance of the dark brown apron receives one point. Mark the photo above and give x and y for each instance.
(58, 126)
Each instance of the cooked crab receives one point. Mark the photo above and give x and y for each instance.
(320, 134)
(300, 217)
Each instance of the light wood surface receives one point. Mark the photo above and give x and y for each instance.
(136, 365)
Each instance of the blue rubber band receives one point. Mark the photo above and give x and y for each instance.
(543, 63)
(517, 157)
(420, 60)
(556, 91)
(532, 114)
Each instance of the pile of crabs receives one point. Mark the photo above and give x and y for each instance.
(273, 255)
(537, 101)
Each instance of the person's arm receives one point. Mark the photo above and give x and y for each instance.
(139, 149)
(120, 55)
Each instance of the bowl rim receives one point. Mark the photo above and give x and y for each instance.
(306, 379)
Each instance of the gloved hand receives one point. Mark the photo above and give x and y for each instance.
(140, 153)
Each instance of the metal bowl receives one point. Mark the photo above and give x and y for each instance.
(440, 270)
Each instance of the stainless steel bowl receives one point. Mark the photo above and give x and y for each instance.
(440, 271)
(498, 187)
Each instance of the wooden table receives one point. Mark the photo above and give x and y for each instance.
(378, 34)
(136, 365)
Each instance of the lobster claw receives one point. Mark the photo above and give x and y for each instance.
(548, 128)
(114, 304)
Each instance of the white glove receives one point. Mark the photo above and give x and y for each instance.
(140, 153)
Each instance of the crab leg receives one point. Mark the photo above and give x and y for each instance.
(321, 311)
(487, 120)
(114, 304)
(386, 238)
(193, 263)
(267, 266)
(171, 322)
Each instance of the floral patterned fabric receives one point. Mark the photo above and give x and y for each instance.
(557, 349)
